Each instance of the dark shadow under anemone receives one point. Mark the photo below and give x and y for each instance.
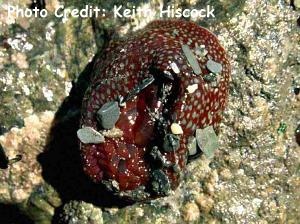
(61, 162)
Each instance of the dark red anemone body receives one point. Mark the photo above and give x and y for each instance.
(146, 118)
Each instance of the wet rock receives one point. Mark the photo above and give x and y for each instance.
(205, 202)
(234, 198)
(296, 3)
(41, 205)
(21, 60)
(80, 212)
(225, 174)
(160, 183)
(20, 178)
(191, 212)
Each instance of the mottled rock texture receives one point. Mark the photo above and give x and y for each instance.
(254, 176)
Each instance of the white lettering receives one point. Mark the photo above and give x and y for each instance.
(186, 13)
(170, 12)
(10, 10)
(202, 13)
(19, 12)
(57, 13)
(127, 13)
(84, 13)
(43, 13)
(194, 13)
(178, 13)
(163, 12)
(35, 12)
(75, 13)
(96, 11)
(28, 13)
(116, 11)
(210, 12)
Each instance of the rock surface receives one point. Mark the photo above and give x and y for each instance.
(254, 175)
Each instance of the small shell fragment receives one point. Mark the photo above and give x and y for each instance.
(88, 135)
(213, 66)
(113, 133)
(192, 88)
(175, 68)
(191, 59)
(176, 129)
(108, 114)
(207, 141)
